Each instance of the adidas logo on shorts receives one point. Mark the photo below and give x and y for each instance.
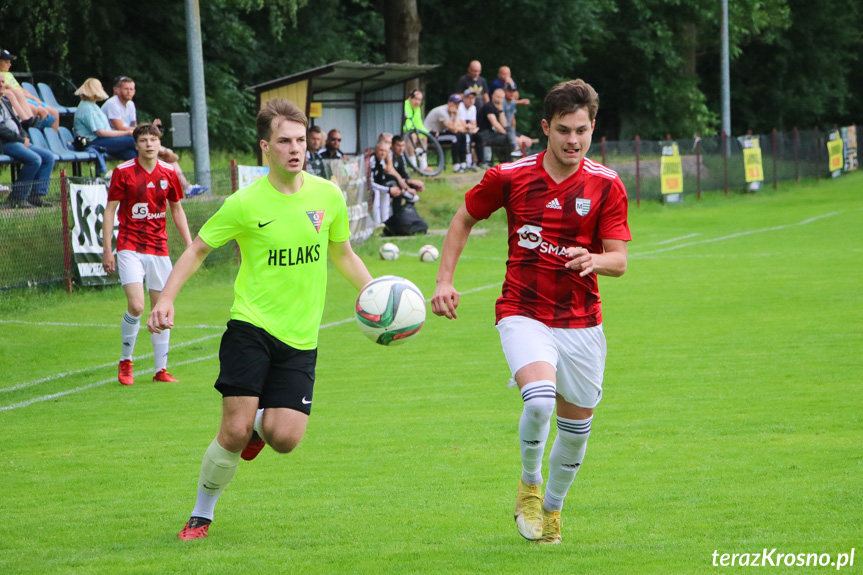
(553, 205)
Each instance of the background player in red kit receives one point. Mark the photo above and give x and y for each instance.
(141, 188)
(567, 224)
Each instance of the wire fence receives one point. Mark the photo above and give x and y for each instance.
(36, 244)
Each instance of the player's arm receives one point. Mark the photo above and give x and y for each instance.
(179, 216)
(612, 262)
(349, 264)
(108, 262)
(445, 299)
(162, 316)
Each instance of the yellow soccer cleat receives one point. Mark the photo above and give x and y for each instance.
(528, 511)
(550, 528)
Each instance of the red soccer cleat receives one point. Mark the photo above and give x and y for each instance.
(163, 375)
(125, 375)
(254, 447)
(195, 528)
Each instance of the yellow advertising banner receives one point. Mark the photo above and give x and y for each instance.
(315, 109)
(752, 160)
(671, 170)
(836, 151)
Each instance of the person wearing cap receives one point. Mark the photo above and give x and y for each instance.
(32, 183)
(473, 81)
(49, 116)
(467, 114)
(444, 122)
(92, 124)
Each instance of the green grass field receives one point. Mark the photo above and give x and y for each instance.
(731, 419)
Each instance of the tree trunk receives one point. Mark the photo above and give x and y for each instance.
(402, 30)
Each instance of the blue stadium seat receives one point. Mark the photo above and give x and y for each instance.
(31, 89)
(48, 97)
(67, 138)
(38, 140)
(64, 152)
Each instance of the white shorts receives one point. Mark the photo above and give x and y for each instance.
(578, 355)
(134, 268)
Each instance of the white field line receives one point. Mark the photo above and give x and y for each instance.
(638, 254)
(737, 235)
(88, 386)
(672, 240)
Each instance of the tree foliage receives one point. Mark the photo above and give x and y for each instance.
(655, 63)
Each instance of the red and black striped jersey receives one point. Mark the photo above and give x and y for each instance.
(143, 199)
(544, 219)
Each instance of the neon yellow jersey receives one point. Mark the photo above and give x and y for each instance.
(283, 242)
(413, 118)
(11, 82)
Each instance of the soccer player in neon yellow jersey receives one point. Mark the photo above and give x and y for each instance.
(285, 224)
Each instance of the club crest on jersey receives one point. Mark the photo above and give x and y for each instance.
(164, 184)
(582, 206)
(317, 216)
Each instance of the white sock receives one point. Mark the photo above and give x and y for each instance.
(567, 455)
(129, 331)
(160, 348)
(217, 469)
(424, 162)
(258, 418)
(533, 427)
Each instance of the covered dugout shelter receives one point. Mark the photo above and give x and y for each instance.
(360, 100)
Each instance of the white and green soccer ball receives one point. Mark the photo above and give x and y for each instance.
(390, 310)
(389, 251)
(429, 253)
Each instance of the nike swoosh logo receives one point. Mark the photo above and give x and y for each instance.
(260, 225)
(306, 402)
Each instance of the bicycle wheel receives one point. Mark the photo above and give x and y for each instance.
(425, 146)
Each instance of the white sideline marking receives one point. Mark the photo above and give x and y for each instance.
(95, 367)
(61, 324)
(672, 240)
(662, 250)
(88, 386)
(738, 235)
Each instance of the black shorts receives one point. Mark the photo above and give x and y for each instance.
(254, 363)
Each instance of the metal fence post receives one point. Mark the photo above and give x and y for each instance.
(637, 172)
(698, 163)
(725, 147)
(67, 247)
(796, 155)
(775, 160)
(817, 154)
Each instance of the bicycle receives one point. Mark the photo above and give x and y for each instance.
(425, 145)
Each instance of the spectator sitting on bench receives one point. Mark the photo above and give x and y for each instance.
(92, 124)
(492, 130)
(467, 114)
(407, 183)
(511, 101)
(32, 183)
(25, 104)
(444, 123)
(333, 151)
(315, 164)
(123, 116)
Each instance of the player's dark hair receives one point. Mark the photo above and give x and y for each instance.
(397, 138)
(146, 130)
(278, 108)
(568, 97)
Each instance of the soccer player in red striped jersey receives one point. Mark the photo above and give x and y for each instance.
(141, 189)
(567, 218)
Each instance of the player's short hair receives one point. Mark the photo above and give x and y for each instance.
(278, 108)
(397, 138)
(568, 97)
(146, 129)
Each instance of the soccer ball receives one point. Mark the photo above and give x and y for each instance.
(429, 253)
(389, 251)
(390, 310)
